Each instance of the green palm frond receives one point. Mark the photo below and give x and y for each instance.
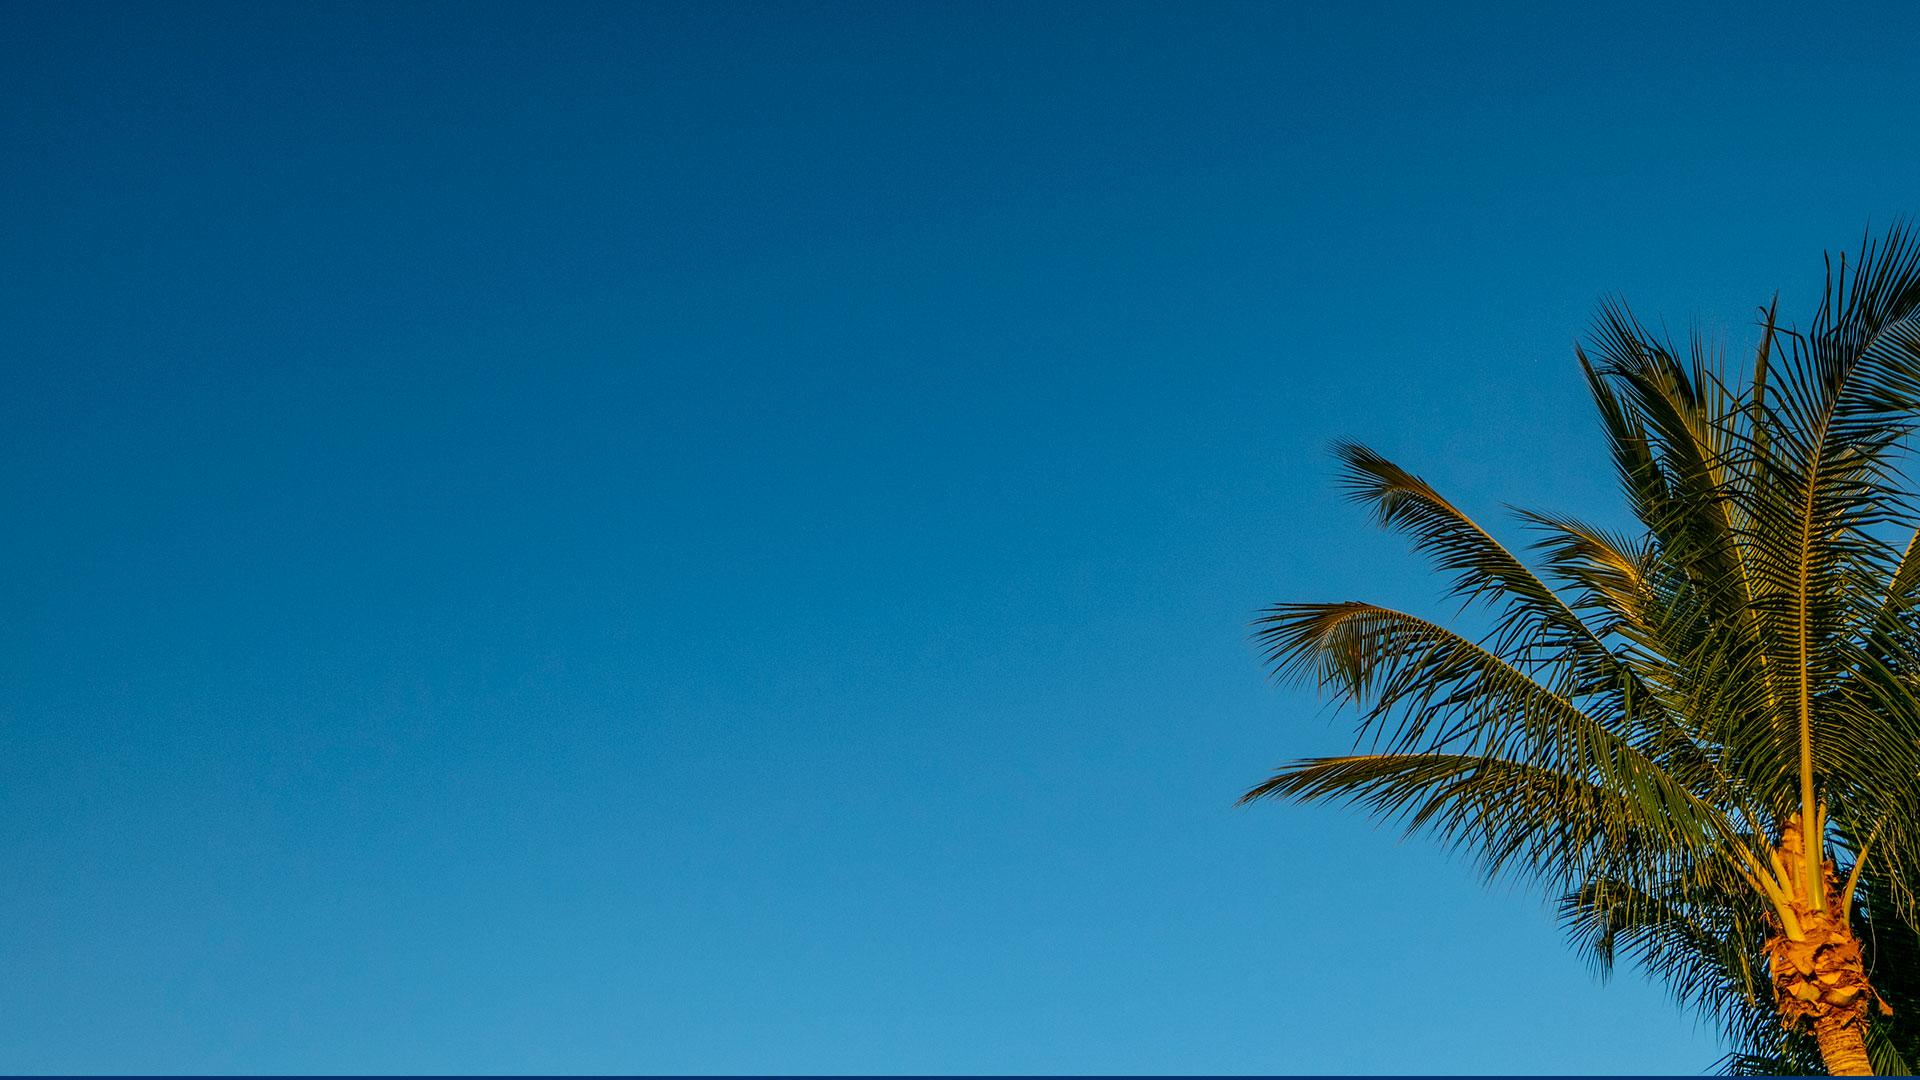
(1612, 576)
(1512, 817)
(1530, 612)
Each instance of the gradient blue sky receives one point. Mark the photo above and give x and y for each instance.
(702, 538)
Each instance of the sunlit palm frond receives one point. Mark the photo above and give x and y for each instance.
(1509, 816)
(1531, 614)
(1421, 689)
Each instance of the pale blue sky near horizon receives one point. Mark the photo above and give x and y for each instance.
(722, 537)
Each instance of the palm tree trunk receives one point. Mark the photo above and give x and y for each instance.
(1819, 974)
(1843, 1046)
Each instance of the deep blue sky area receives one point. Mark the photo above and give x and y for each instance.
(705, 538)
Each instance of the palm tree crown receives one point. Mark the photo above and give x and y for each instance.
(1678, 729)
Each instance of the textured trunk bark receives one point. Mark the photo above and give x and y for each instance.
(1819, 976)
(1843, 1046)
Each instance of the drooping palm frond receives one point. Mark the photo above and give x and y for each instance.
(1512, 817)
(1422, 688)
(1895, 960)
(1703, 948)
(1530, 614)
(1612, 576)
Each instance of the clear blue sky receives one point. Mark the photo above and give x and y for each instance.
(702, 538)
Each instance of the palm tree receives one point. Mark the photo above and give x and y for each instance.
(1702, 732)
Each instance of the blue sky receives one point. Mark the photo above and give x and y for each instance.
(660, 538)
